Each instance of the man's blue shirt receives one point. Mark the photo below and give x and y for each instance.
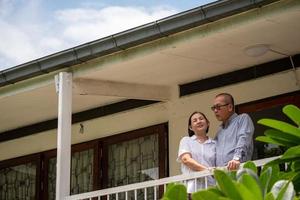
(235, 139)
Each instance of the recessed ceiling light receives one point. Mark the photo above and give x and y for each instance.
(257, 50)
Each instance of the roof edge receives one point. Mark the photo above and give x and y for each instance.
(129, 38)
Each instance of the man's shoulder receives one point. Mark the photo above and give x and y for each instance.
(240, 120)
(243, 116)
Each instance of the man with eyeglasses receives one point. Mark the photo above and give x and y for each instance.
(234, 139)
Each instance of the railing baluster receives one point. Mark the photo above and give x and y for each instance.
(145, 193)
(157, 185)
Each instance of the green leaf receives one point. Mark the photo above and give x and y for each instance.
(245, 192)
(270, 196)
(176, 191)
(283, 190)
(250, 172)
(296, 166)
(252, 185)
(293, 152)
(292, 132)
(273, 141)
(204, 195)
(215, 190)
(281, 137)
(293, 112)
(265, 178)
(287, 175)
(274, 165)
(296, 182)
(226, 185)
(274, 176)
(287, 192)
(212, 192)
(250, 165)
(232, 175)
(169, 186)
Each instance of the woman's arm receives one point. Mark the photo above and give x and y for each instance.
(187, 160)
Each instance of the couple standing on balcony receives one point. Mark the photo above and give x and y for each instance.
(233, 143)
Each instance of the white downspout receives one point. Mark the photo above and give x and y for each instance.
(63, 83)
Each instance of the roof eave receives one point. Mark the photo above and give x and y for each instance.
(130, 38)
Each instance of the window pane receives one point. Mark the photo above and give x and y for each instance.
(133, 161)
(18, 182)
(261, 149)
(81, 173)
(51, 178)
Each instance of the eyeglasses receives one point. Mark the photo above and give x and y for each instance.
(218, 107)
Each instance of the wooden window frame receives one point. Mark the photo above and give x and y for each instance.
(34, 158)
(160, 129)
(75, 148)
(284, 99)
(100, 157)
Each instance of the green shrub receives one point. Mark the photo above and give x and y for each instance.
(247, 185)
(286, 135)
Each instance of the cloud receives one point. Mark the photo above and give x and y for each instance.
(89, 24)
(40, 35)
(6, 6)
(15, 45)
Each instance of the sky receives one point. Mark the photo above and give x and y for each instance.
(30, 29)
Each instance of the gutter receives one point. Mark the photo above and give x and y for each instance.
(130, 38)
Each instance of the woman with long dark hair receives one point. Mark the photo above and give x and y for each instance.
(197, 152)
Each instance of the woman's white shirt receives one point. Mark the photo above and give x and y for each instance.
(204, 153)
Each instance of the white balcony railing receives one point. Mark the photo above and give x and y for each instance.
(131, 191)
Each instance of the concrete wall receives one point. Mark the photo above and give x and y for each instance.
(175, 112)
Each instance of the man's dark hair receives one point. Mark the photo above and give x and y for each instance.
(228, 98)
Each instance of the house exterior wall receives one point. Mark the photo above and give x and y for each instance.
(175, 112)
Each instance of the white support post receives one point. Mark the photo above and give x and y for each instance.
(63, 167)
